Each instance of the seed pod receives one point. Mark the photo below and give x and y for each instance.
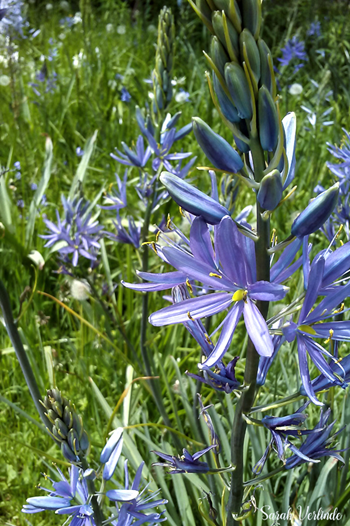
(270, 191)
(218, 25)
(316, 213)
(193, 200)
(67, 427)
(239, 90)
(227, 107)
(218, 151)
(251, 11)
(267, 75)
(218, 55)
(246, 39)
(268, 120)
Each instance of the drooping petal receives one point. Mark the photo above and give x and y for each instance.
(266, 291)
(48, 503)
(329, 303)
(166, 277)
(336, 264)
(304, 371)
(225, 337)
(195, 307)
(112, 462)
(110, 445)
(289, 125)
(314, 352)
(257, 329)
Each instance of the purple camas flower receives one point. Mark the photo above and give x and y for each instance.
(316, 444)
(137, 157)
(67, 498)
(235, 276)
(315, 29)
(117, 200)
(125, 95)
(78, 232)
(187, 463)
(293, 51)
(131, 237)
(312, 324)
(140, 502)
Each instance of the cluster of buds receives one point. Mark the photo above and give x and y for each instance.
(161, 76)
(67, 426)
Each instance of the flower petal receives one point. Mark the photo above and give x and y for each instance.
(257, 329)
(200, 242)
(266, 291)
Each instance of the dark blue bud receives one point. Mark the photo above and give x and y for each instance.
(247, 40)
(193, 200)
(218, 151)
(239, 89)
(270, 191)
(316, 213)
(218, 25)
(227, 107)
(268, 120)
(218, 55)
(266, 73)
(251, 11)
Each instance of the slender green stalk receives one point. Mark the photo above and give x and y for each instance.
(98, 515)
(21, 354)
(246, 401)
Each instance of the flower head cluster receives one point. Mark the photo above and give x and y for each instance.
(293, 52)
(77, 233)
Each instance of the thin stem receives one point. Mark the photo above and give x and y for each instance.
(12, 331)
(98, 515)
(252, 361)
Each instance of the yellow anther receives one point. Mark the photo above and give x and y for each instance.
(341, 308)
(189, 316)
(181, 211)
(239, 295)
(339, 360)
(307, 329)
(207, 338)
(152, 244)
(157, 235)
(168, 222)
(110, 187)
(215, 275)
(273, 234)
(331, 332)
(189, 285)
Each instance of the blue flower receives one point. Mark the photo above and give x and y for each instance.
(118, 199)
(187, 463)
(315, 29)
(125, 95)
(139, 502)
(312, 321)
(67, 498)
(162, 151)
(294, 49)
(129, 238)
(236, 277)
(137, 157)
(111, 453)
(316, 444)
(79, 151)
(20, 203)
(33, 186)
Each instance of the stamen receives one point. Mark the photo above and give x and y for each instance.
(331, 332)
(207, 338)
(215, 275)
(189, 316)
(168, 222)
(152, 244)
(182, 212)
(189, 286)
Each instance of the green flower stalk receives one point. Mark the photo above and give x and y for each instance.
(161, 75)
(66, 426)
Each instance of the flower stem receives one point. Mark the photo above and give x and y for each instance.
(12, 331)
(246, 401)
(98, 515)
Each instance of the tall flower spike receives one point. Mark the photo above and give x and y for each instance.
(67, 426)
(161, 76)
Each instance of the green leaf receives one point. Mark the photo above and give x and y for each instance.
(80, 174)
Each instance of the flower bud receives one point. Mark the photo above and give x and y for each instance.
(246, 39)
(268, 120)
(218, 26)
(270, 191)
(239, 89)
(316, 213)
(251, 11)
(218, 151)
(204, 8)
(227, 107)
(67, 425)
(193, 200)
(266, 74)
(232, 11)
(218, 55)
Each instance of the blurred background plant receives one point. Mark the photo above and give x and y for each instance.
(71, 76)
